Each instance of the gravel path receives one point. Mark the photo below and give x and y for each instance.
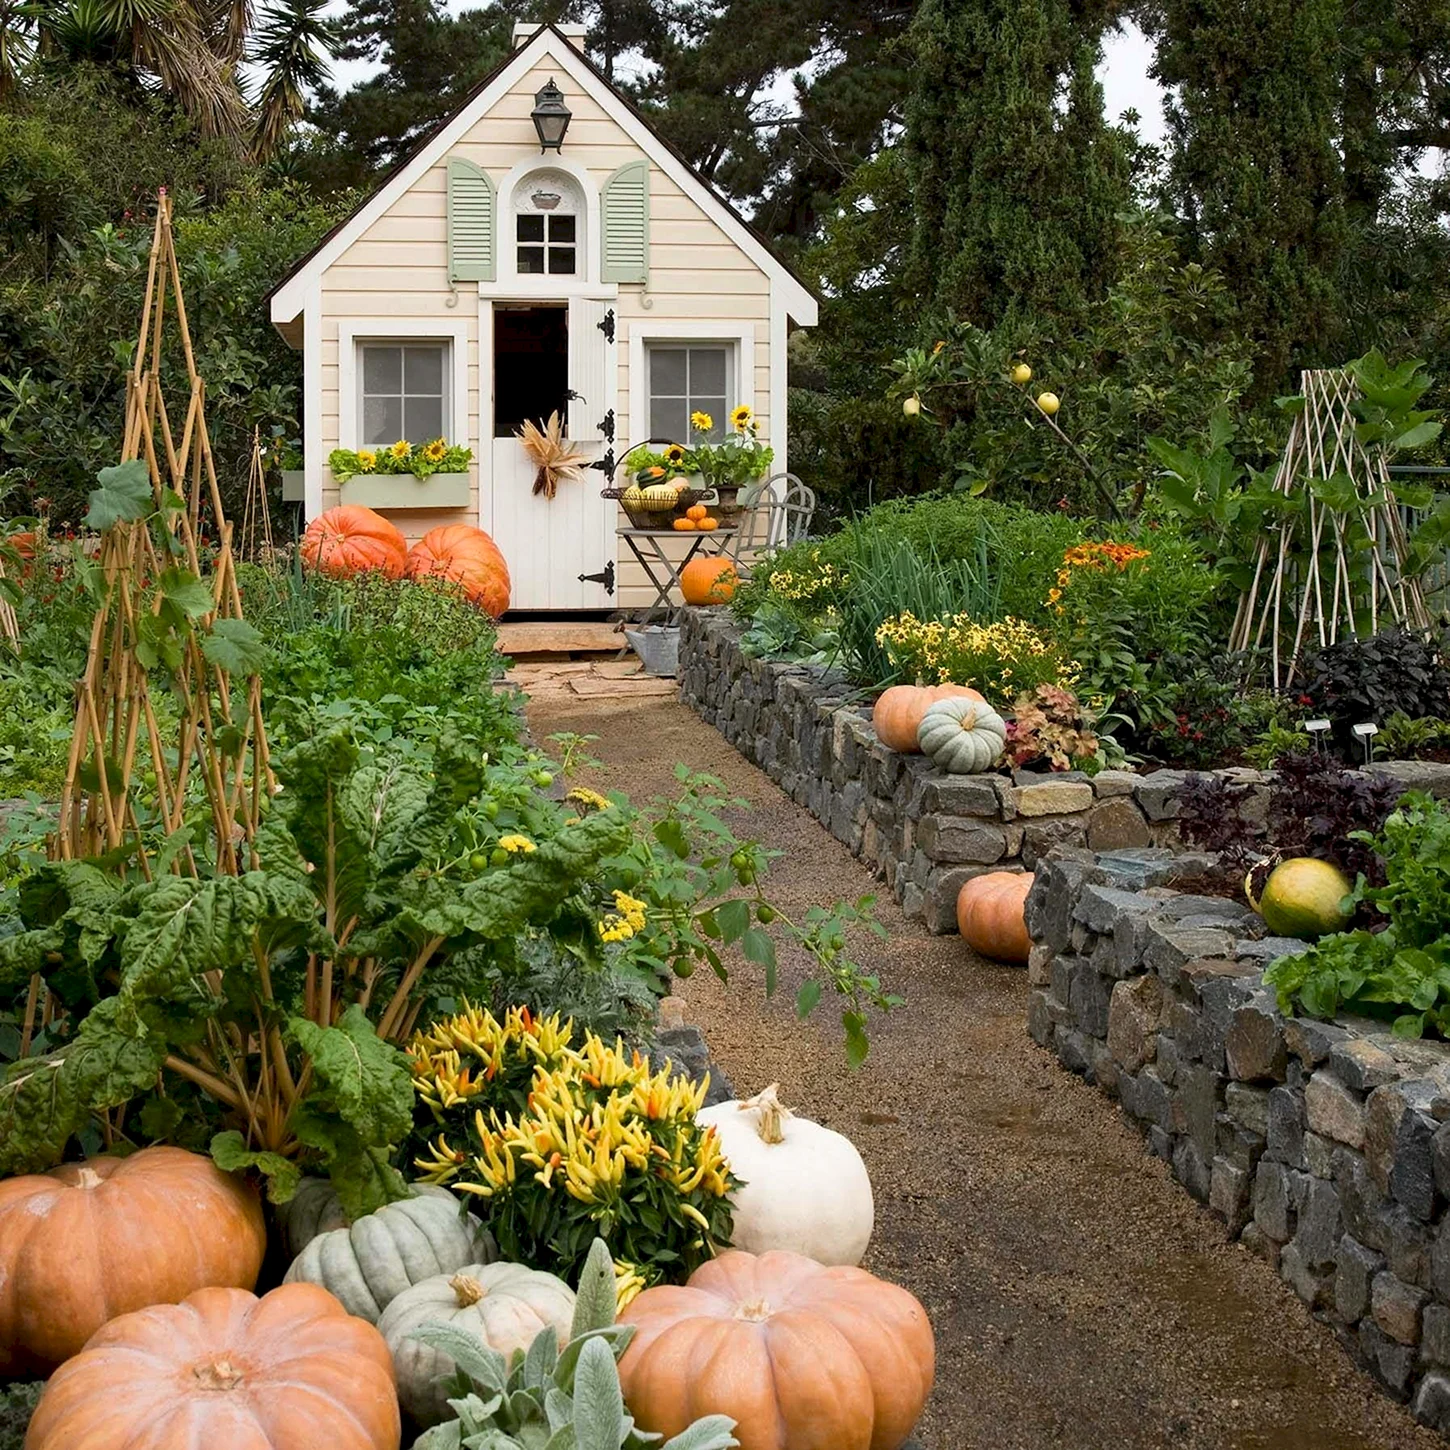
(1080, 1298)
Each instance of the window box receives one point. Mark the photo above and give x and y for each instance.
(403, 491)
(294, 485)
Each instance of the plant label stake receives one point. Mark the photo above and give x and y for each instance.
(1367, 732)
(1316, 731)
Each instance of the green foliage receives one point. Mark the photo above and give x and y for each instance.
(1357, 680)
(1403, 971)
(421, 460)
(552, 1397)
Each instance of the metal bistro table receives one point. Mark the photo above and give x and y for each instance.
(662, 571)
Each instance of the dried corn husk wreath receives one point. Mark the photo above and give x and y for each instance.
(557, 460)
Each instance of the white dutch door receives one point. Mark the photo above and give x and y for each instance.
(544, 359)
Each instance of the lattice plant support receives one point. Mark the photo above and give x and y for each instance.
(160, 612)
(1335, 564)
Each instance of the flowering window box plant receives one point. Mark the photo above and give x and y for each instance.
(404, 475)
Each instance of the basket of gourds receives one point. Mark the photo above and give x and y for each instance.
(652, 495)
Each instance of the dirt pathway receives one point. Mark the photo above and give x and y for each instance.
(1080, 1298)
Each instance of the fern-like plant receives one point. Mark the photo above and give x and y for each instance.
(548, 1399)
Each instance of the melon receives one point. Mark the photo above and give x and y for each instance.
(1302, 899)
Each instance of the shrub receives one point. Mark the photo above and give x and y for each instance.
(1393, 672)
(567, 1144)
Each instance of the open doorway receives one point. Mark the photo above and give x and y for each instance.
(530, 366)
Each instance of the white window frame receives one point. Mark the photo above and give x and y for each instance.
(527, 285)
(358, 330)
(739, 338)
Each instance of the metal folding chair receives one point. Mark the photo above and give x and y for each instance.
(775, 513)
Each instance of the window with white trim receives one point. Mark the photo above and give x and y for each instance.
(548, 225)
(689, 378)
(404, 391)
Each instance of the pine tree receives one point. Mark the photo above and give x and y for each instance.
(1254, 170)
(1017, 180)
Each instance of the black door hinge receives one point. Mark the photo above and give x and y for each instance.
(606, 464)
(606, 426)
(607, 325)
(605, 577)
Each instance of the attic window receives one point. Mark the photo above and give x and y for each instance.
(548, 224)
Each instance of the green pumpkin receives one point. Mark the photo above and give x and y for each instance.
(368, 1264)
(961, 736)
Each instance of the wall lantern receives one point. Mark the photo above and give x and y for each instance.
(551, 117)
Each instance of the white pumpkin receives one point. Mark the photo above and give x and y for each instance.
(369, 1263)
(502, 1305)
(962, 736)
(803, 1187)
(314, 1209)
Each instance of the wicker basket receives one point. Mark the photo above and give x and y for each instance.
(656, 518)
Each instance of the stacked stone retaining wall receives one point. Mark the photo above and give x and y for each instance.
(1324, 1146)
(924, 831)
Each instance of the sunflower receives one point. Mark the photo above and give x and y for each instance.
(401, 449)
(435, 450)
(742, 417)
(674, 455)
(367, 460)
(701, 422)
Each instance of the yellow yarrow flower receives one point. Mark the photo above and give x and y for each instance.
(516, 844)
(581, 795)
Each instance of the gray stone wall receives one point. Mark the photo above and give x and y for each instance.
(1325, 1147)
(926, 832)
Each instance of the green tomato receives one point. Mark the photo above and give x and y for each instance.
(479, 861)
(500, 857)
(764, 914)
(682, 967)
(490, 810)
(542, 778)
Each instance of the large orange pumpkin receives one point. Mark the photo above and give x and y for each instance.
(349, 539)
(897, 714)
(225, 1370)
(989, 915)
(88, 1241)
(800, 1356)
(469, 558)
(708, 579)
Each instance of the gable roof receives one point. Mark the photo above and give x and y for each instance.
(286, 298)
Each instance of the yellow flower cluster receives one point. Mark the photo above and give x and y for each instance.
(807, 584)
(624, 921)
(586, 1147)
(440, 1078)
(515, 844)
(936, 647)
(591, 800)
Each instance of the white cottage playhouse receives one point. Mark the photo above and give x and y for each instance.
(487, 281)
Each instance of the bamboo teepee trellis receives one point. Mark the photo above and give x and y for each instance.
(1327, 572)
(219, 738)
(255, 544)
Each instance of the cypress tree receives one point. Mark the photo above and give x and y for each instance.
(1254, 169)
(1017, 180)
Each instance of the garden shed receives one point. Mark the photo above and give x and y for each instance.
(545, 249)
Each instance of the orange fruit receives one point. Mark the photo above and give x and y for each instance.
(685, 525)
(708, 525)
(696, 511)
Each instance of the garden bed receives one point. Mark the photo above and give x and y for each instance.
(926, 832)
(1324, 1147)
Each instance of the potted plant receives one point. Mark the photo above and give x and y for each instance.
(404, 475)
(730, 465)
(285, 455)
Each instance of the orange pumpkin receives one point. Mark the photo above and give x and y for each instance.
(897, 714)
(696, 511)
(227, 1371)
(708, 580)
(349, 539)
(800, 1356)
(88, 1241)
(684, 526)
(990, 915)
(469, 558)
(708, 526)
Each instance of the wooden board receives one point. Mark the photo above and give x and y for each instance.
(559, 637)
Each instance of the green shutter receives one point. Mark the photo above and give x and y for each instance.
(624, 215)
(470, 222)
